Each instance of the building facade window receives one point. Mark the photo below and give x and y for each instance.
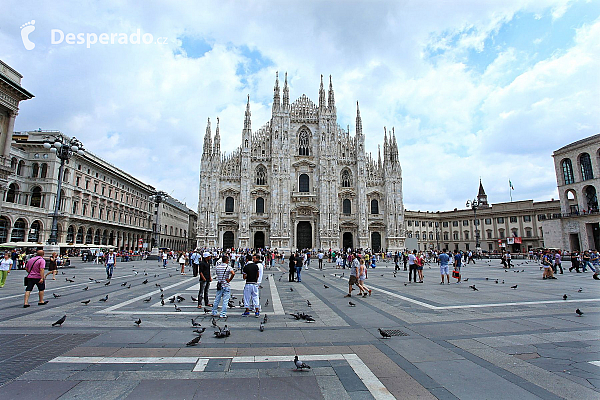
(586, 167)
(346, 178)
(513, 219)
(304, 143)
(526, 218)
(303, 183)
(260, 205)
(567, 169)
(374, 207)
(228, 204)
(261, 175)
(347, 207)
(500, 220)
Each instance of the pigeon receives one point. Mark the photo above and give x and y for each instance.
(226, 330)
(148, 299)
(265, 319)
(325, 286)
(177, 309)
(261, 327)
(496, 281)
(486, 279)
(579, 312)
(162, 296)
(129, 286)
(180, 299)
(503, 281)
(195, 300)
(514, 287)
(85, 302)
(162, 302)
(220, 334)
(309, 319)
(230, 304)
(104, 299)
(474, 288)
(96, 281)
(124, 284)
(156, 284)
(86, 288)
(199, 331)
(466, 280)
(62, 272)
(384, 334)
(405, 284)
(135, 272)
(194, 341)
(107, 283)
(69, 280)
(214, 322)
(564, 296)
(145, 281)
(206, 310)
(56, 296)
(161, 289)
(299, 364)
(172, 299)
(308, 303)
(138, 322)
(351, 304)
(194, 323)
(580, 290)
(64, 317)
(267, 303)
(91, 279)
(291, 289)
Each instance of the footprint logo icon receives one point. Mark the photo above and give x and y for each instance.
(26, 29)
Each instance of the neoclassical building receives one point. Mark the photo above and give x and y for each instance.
(577, 167)
(300, 181)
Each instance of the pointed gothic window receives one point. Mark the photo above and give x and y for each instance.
(261, 175)
(586, 167)
(304, 143)
(374, 206)
(346, 178)
(567, 168)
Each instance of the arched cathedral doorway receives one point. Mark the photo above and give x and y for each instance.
(347, 241)
(304, 235)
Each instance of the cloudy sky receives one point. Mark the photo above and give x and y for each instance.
(473, 88)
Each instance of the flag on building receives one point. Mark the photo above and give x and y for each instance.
(511, 185)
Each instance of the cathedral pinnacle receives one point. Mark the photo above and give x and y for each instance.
(321, 95)
(217, 145)
(207, 149)
(286, 93)
(276, 102)
(331, 98)
(247, 122)
(358, 120)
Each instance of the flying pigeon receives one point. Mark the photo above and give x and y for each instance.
(64, 317)
(299, 364)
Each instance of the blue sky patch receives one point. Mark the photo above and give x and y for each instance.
(194, 47)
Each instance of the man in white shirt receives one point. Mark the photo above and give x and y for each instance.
(320, 259)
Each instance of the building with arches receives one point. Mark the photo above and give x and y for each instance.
(577, 168)
(100, 204)
(300, 181)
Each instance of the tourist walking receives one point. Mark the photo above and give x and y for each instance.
(225, 275)
(574, 262)
(195, 261)
(444, 259)
(362, 277)
(52, 267)
(320, 256)
(205, 279)
(35, 277)
(110, 261)
(412, 265)
(181, 261)
(250, 274)
(353, 279)
(420, 261)
(299, 262)
(547, 264)
(5, 267)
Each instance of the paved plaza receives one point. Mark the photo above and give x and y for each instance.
(450, 341)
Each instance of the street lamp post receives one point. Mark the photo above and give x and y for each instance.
(64, 148)
(474, 204)
(158, 198)
(437, 239)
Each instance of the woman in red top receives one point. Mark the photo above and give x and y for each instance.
(35, 277)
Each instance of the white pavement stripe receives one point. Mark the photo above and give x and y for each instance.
(116, 306)
(125, 360)
(596, 363)
(68, 286)
(201, 364)
(277, 306)
(377, 389)
(519, 303)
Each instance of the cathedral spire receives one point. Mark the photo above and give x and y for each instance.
(217, 145)
(358, 121)
(331, 98)
(286, 93)
(386, 146)
(247, 122)
(481, 196)
(207, 148)
(276, 102)
(379, 155)
(321, 95)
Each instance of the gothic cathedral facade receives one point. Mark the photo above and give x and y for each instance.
(300, 182)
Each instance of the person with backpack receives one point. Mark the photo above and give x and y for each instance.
(35, 277)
